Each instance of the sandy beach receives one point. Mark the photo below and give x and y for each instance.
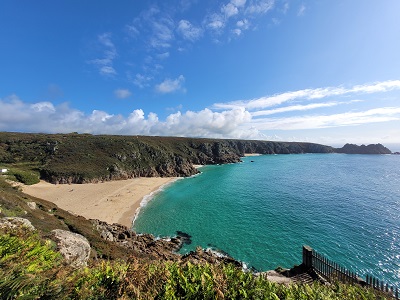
(252, 154)
(111, 201)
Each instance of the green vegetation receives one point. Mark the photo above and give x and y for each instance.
(31, 269)
(79, 158)
(24, 177)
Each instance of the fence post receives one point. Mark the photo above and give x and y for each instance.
(307, 257)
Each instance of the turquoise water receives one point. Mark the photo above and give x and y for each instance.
(346, 207)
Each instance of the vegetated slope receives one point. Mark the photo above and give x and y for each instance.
(80, 158)
(363, 149)
(31, 265)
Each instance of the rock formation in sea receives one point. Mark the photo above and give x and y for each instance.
(363, 149)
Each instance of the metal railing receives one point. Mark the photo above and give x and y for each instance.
(331, 271)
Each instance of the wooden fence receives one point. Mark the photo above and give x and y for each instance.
(332, 271)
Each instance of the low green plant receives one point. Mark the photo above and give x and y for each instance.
(104, 281)
(30, 268)
(26, 177)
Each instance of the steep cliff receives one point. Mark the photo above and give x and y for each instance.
(81, 158)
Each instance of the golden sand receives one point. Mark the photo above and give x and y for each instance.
(111, 201)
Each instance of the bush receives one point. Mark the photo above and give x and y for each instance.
(30, 268)
(26, 177)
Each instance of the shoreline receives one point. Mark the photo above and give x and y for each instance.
(252, 154)
(112, 201)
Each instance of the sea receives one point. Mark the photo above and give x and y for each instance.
(263, 210)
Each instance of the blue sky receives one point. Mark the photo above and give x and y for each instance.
(313, 70)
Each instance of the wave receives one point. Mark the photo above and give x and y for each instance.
(146, 199)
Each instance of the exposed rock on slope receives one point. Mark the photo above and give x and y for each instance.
(14, 222)
(74, 247)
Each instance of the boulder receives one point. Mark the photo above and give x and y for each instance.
(13, 222)
(74, 247)
(32, 205)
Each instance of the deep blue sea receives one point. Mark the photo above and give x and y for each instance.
(262, 211)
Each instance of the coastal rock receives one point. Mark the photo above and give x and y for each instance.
(14, 222)
(369, 149)
(209, 256)
(145, 244)
(31, 205)
(74, 247)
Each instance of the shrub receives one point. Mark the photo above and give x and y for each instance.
(26, 177)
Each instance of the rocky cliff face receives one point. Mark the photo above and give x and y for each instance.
(369, 149)
(83, 158)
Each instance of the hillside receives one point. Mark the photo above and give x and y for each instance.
(123, 265)
(363, 149)
(82, 158)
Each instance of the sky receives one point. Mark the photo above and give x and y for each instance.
(287, 70)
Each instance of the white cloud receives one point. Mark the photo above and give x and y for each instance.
(122, 93)
(309, 94)
(107, 70)
(163, 55)
(376, 115)
(293, 108)
(229, 10)
(109, 53)
(237, 31)
(235, 121)
(238, 3)
(45, 117)
(171, 85)
(259, 6)
(215, 22)
(132, 30)
(188, 31)
(155, 27)
(285, 7)
(301, 10)
(162, 33)
(141, 80)
(243, 24)
(43, 107)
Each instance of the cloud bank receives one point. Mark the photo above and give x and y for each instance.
(46, 117)
(245, 119)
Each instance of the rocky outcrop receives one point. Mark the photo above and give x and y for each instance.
(74, 247)
(156, 248)
(16, 222)
(144, 244)
(363, 149)
(200, 256)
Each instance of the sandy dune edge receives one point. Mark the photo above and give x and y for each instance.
(111, 201)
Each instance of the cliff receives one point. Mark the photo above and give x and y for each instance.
(82, 158)
(370, 149)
